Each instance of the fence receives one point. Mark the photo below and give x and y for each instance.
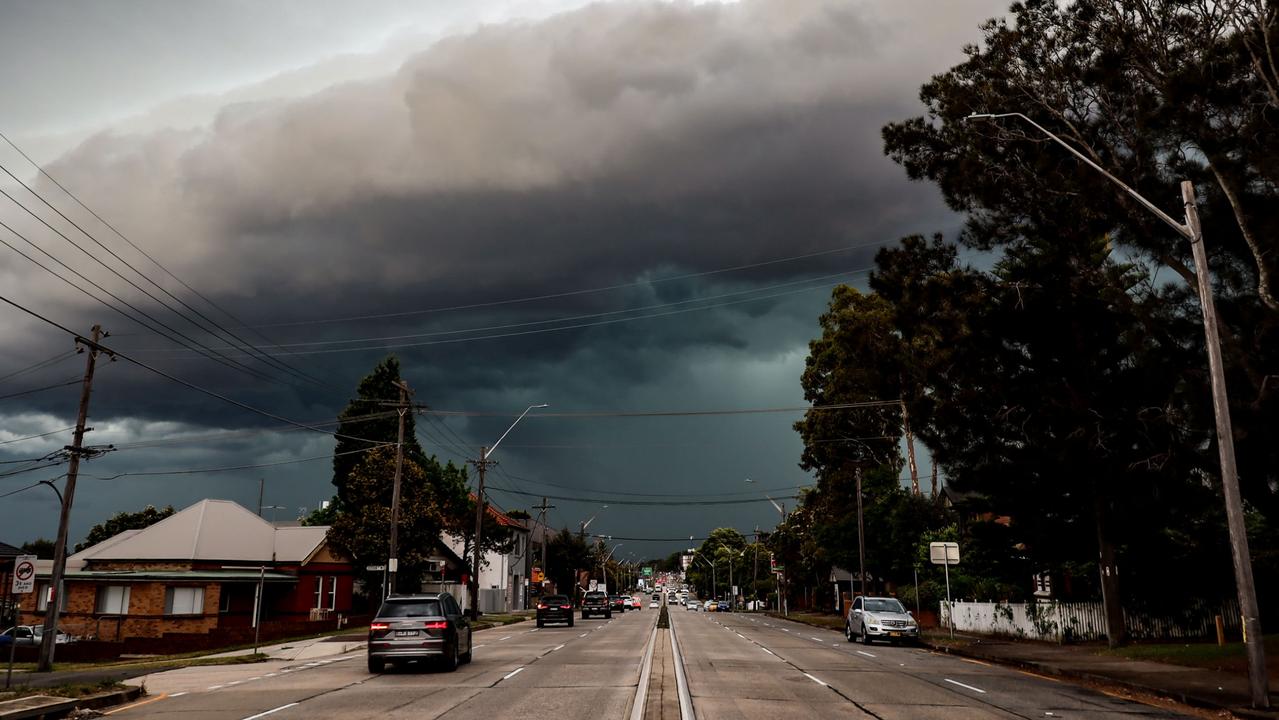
(1063, 622)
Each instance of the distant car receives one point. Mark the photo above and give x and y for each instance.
(723, 606)
(596, 603)
(30, 635)
(880, 618)
(419, 627)
(690, 606)
(618, 603)
(652, 603)
(555, 609)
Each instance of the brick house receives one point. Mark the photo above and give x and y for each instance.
(197, 571)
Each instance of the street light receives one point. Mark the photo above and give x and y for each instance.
(714, 585)
(482, 465)
(604, 565)
(1192, 231)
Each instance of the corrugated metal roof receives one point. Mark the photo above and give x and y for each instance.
(180, 575)
(210, 530)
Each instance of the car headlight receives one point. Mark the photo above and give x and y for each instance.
(872, 620)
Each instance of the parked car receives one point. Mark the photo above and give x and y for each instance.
(596, 603)
(723, 606)
(880, 618)
(31, 635)
(617, 602)
(692, 606)
(710, 606)
(419, 627)
(555, 608)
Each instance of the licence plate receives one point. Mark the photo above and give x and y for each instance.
(894, 634)
(405, 633)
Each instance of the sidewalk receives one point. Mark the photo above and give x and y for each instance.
(1193, 686)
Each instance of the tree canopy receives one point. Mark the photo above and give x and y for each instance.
(121, 521)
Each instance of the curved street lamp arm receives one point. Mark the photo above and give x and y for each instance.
(512, 427)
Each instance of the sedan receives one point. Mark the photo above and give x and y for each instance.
(30, 635)
(652, 603)
(555, 608)
(419, 627)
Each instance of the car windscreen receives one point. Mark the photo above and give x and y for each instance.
(410, 608)
(555, 600)
(891, 606)
(594, 596)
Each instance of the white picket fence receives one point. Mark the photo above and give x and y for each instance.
(1059, 622)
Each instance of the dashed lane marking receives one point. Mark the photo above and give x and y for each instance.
(970, 687)
(178, 694)
(508, 637)
(819, 682)
(268, 712)
(513, 673)
(863, 652)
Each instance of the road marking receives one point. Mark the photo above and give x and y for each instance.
(770, 652)
(785, 630)
(477, 647)
(234, 682)
(177, 694)
(819, 682)
(813, 638)
(557, 647)
(970, 687)
(863, 652)
(272, 710)
(584, 634)
(255, 678)
(513, 673)
(215, 687)
(508, 637)
(740, 635)
(148, 701)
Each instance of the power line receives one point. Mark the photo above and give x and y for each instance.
(180, 381)
(572, 293)
(40, 435)
(231, 468)
(32, 391)
(31, 486)
(667, 413)
(231, 434)
(39, 168)
(661, 503)
(40, 365)
(787, 488)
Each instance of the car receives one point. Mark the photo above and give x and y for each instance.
(880, 618)
(428, 626)
(723, 606)
(690, 606)
(652, 603)
(30, 635)
(596, 603)
(709, 605)
(617, 602)
(555, 608)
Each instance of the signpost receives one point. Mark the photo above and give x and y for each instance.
(24, 581)
(946, 554)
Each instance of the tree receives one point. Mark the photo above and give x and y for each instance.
(370, 420)
(566, 554)
(40, 547)
(121, 521)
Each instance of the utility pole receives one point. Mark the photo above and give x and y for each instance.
(542, 529)
(1257, 679)
(392, 559)
(910, 449)
(261, 489)
(481, 465)
(75, 449)
(755, 569)
(861, 530)
(934, 478)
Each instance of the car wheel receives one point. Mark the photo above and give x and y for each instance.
(865, 636)
(451, 658)
(376, 665)
(470, 648)
(541, 623)
(608, 615)
(848, 632)
(570, 622)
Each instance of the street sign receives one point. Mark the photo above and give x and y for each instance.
(593, 586)
(943, 553)
(24, 574)
(648, 572)
(375, 568)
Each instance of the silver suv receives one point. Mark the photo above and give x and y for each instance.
(419, 627)
(880, 618)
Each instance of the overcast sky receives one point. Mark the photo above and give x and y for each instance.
(528, 202)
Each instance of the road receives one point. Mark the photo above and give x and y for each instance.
(738, 666)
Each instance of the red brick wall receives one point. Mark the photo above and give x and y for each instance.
(145, 616)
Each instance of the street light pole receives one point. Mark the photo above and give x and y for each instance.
(1235, 521)
(482, 465)
(392, 556)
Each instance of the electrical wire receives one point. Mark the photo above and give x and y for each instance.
(39, 168)
(786, 488)
(232, 434)
(31, 486)
(172, 378)
(661, 503)
(232, 468)
(666, 413)
(39, 365)
(40, 435)
(32, 391)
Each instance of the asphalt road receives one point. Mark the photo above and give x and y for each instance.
(587, 671)
(744, 667)
(747, 667)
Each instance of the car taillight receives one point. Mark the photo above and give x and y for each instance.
(566, 607)
(379, 626)
(541, 606)
(437, 625)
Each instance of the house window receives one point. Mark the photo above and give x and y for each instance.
(183, 601)
(112, 600)
(42, 599)
(319, 592)
(333, 593)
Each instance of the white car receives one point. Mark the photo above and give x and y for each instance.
(880, 618)
(652, 603)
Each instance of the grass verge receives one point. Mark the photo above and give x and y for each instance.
(830, 621)
(167, 661)
(70, 690)
(1230, 657)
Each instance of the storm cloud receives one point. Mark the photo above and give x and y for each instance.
(613, 145)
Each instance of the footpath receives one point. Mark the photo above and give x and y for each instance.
(1198, 687)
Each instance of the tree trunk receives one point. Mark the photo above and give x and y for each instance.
(1116, 633)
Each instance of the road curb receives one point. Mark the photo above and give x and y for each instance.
(110, 699)
(681, 680)
(646, 668)
(1057, 671)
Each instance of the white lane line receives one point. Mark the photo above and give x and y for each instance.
(254, 678)
(234, 682)
(513, 673)
(740, 635)
(477, 647)
(508, 637)
(179, 694)
(215, 687)
(268, 712)
(271, 674)
(770, 652)
(785, 630)
(557, 647)
(585, 634)
(819, 682)
(813, 638)
(970, 687)
(863, 652)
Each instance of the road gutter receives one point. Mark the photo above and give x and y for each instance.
(641, 688)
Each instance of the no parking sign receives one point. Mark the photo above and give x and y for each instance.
(24, 574)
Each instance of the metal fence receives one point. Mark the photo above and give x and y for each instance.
(1060, 622)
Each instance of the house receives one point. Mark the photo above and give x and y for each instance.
(503, 580)
(198, 571)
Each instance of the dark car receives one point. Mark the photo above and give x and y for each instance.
(555, 609)
(419, 627)
(596, 603)
(618, 602)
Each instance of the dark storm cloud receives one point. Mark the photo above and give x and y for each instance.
(602, 146)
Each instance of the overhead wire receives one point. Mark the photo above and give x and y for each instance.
(47, 362)
(232, 468)
(687, 502)
(40, 168)
(32, 391)
(38, 435)
(31, 486)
